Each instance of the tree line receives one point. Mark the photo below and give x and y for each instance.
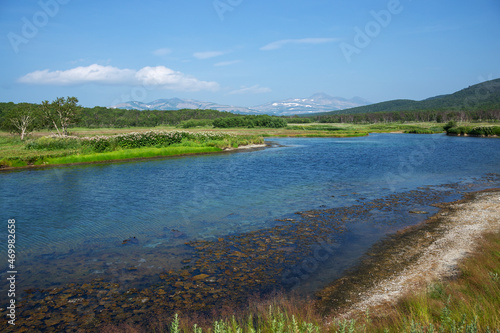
(411, 116)
(250, 121)
(63, 113)
(23, 118)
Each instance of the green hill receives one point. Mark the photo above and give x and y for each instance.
(482, 96)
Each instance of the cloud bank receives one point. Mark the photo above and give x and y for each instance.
(159, 76)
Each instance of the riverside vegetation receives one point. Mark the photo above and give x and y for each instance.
(56, 149)
(84, 145)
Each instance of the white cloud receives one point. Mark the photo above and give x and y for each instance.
(78, 75)
(280, 43)
(159, 76)
(170, 79)
(227, 63)
(162, 52)
(207, 54)
(256, 89)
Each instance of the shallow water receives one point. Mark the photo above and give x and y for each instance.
(71, 222)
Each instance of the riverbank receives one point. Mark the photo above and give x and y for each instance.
(15, 154)
(74, 150)
(141, 154)
(397, 280)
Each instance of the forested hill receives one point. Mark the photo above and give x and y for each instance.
(482, 96)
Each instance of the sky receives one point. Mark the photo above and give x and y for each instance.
(242, 52)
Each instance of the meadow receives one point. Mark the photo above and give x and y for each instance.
(43, 148)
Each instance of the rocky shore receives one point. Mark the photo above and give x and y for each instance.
(413, 258)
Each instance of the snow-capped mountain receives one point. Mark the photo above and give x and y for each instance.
(177, 104)
(320, 102)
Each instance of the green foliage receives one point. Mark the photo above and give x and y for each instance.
(482, 96)
(250, 122)
(126, 154)
(101, 117)
(485, 131)
(20, 119)
(191, 123)
(298, 120)
(61, 113)
(53, 143)
(424, 131)
(98, 144)
(439, 116)
(474, 131)
(449, 125)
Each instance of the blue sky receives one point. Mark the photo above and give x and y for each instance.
(243, 52)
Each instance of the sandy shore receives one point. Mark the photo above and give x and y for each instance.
(416, 256)
(252, 146)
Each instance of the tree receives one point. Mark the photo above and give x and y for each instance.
(61, 113)
(22, 120)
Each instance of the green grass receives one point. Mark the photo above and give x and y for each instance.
(41, 150)
(129, 154)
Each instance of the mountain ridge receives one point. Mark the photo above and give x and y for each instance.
(484, 95)
(317, 102)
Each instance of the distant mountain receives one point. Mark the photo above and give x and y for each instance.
(178, 104)
(482, 96)
(315, 103)
(319, 102)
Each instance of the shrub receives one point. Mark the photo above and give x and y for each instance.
(461, 130)
(98, 144)
(486, 131)
(449, 125)
(196, 123)
(53, 143)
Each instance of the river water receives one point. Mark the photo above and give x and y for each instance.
(127, 221)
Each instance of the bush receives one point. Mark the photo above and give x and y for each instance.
(485, 131)
(150, 138)
(461, 130)
(196, 123)
(98, 144)
(449, 125)
(53, 143)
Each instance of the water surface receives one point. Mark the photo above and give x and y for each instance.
(72, 221)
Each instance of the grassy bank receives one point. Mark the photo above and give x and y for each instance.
(127, 154)
(14, 152)
(53, 150)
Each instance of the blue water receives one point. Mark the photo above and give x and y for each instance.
(73, 210)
